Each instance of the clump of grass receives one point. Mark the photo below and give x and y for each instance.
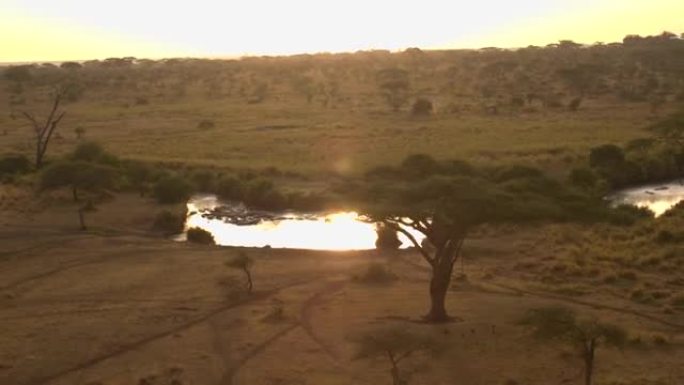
(659, 340)
(677, 301)
(206, 124)
(377, 274)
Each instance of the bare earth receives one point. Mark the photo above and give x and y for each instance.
(113, 306)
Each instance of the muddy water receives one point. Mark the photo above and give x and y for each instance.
(656, 197)
(234, 225)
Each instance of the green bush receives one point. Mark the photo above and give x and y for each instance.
(627, 215)
(230, 188)
(204, 180)
(172, 189)
(387, 238)
(14, 165)
(422, 107)
(206, 124)
(169, 223)
(262, 193)
(93, 152)
(201, 236)
(583, 178)
(606, 156)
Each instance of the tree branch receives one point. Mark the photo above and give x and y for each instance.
(395, 226)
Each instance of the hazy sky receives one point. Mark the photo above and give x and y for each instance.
(36, 30)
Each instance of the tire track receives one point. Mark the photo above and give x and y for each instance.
(68, 266)
(593, 305)
(307, 315)
(304, 322)
(157, 336)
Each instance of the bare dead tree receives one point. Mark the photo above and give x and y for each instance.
(44, 130)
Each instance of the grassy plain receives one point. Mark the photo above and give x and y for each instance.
(310, 139)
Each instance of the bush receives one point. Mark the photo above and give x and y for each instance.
(574, 104)
(14, 164)
(93, 152)
(230, 188)
(206, 125)
(262, 193)
(306, 202)
(172, 189)
(169, 223)
(627, 215)
(387, 238)
(583, 178)
(606, 156)
(422, 107)
(201, 236)
(377, 273)
(204, 180)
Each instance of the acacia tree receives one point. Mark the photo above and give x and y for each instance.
(394, 86)
(584, 334)
(43, 130)
(243, 262)
(397, 345)
(78, 175)
(443, 202)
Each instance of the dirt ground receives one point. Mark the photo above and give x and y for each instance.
(117, 305)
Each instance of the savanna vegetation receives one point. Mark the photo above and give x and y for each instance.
(492, 164)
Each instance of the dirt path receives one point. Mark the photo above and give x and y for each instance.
(305, 322)
(518, 291)
(155, 337)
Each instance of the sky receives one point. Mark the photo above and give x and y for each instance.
(51, 30)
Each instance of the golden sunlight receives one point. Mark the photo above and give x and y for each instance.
(36, 30)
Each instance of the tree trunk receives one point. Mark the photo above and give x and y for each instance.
(394, 371)
(74, 193)
(589, 362)
(439, 285)
(249, 281)
(438, 291)
(81, 220)
(39, 155)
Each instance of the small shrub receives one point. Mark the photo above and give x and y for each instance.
(14, 165)
(659, 340)
(230, 188)
(665, 236)
(204, 180)
(574, 104)
(584, 178)
(140, 101)
(377, 274)
(93, 152)
(206, 124)
(172, 189)
(201, 236)
(261, 193)
(169, 223)
(677, 301)
(422, 107)
(387, 238)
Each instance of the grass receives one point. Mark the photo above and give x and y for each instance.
(295, 136)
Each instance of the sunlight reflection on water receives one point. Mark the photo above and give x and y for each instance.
(331, 231)
(658, 198)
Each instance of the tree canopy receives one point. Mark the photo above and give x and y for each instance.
(445, 200)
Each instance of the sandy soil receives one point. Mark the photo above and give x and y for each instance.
(116, 305)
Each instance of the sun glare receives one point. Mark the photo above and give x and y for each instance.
(34, 30)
